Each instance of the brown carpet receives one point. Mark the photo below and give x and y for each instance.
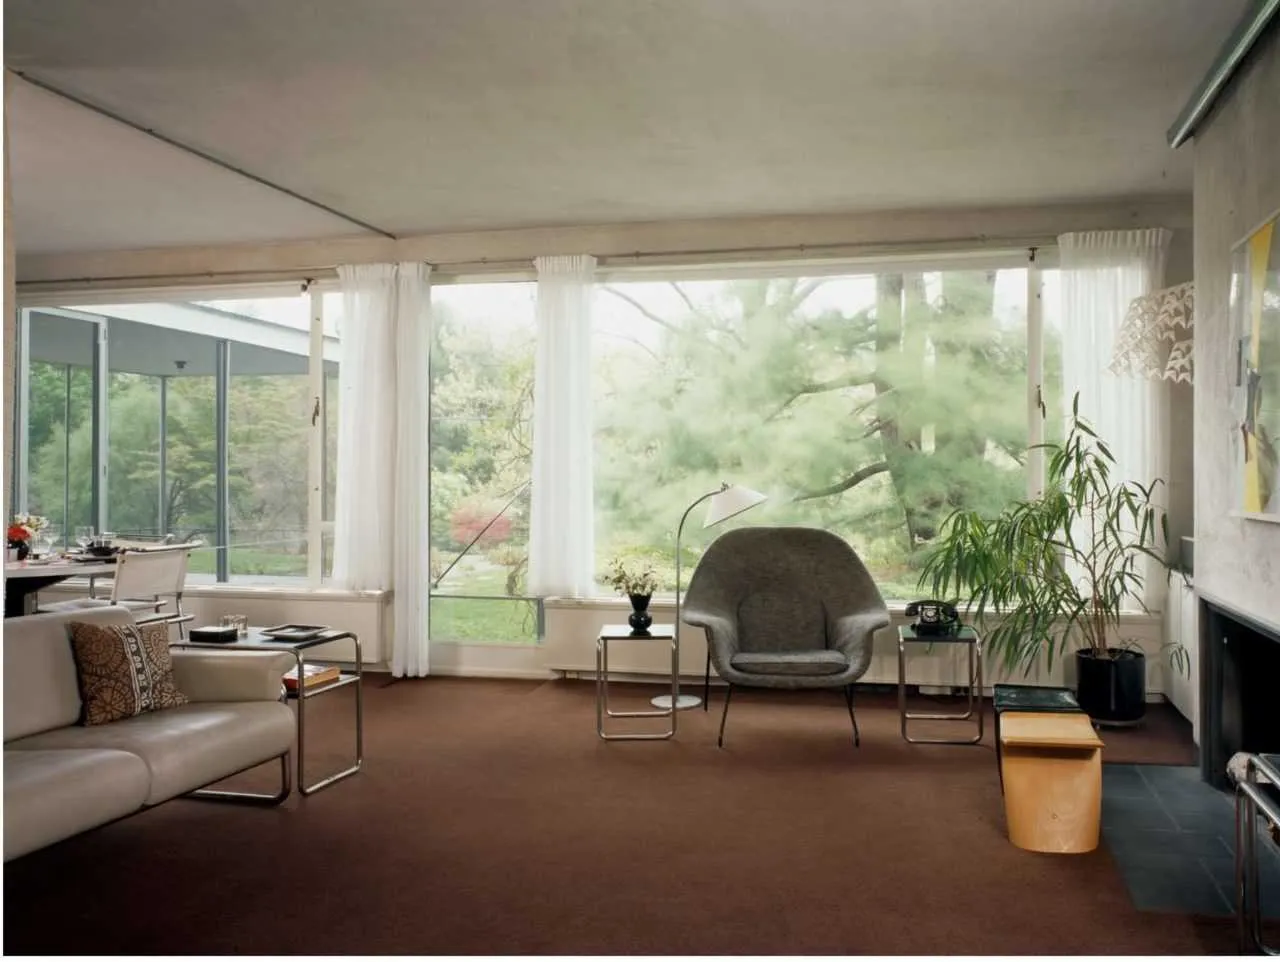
(490, 819)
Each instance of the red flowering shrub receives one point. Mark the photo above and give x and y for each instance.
(468, 519)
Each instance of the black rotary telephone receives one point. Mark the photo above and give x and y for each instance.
(933, 617)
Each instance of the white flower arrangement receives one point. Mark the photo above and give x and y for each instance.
(638, 580)
(32, 523)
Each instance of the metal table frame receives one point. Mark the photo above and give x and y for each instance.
(258, 642)
(966, 636)
(623, 633)
(1251, 805)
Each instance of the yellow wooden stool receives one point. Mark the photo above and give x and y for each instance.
(1052, 767)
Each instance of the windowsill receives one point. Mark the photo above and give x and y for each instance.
(897, 609)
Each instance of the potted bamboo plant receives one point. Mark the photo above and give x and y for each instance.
(1056, 572)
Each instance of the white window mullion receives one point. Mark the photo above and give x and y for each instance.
(315, 441)
(1035, 381)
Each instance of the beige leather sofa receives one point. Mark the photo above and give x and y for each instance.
(61, 778)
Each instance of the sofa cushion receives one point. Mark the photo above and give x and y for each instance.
(51, 795)
(124, 670)
(819, 662)
(188, 747)
(40, 686)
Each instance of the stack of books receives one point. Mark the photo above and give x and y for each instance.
(315, 675)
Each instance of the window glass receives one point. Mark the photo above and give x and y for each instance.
(163, 362)
(871, 405)
(133, 491)
(60, 438)
(1055, 406)
(481, 457)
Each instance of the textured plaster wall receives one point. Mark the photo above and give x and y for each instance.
(1237, 185)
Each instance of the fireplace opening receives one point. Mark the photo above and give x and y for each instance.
(1239, 684)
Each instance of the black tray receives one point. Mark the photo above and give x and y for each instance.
(213, 634)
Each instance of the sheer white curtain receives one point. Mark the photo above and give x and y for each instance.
(1102, 272)
(381, 510)
(562, 505)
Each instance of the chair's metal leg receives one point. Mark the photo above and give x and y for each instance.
(252, 798)
(706, 679)
(848, 700)
(724, 715)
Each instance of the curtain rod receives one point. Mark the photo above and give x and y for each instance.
(708, 256)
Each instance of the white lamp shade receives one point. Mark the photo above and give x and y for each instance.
(730, 500)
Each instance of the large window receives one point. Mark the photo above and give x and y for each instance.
(188, 420)
(481, 456)
(871, 405)
(870, 402)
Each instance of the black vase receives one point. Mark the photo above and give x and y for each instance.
(1112, 689)
(640, 619)
(22, 547)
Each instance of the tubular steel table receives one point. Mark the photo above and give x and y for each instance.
(610, 633)
(24, 579)
(965, 636)
(256, 641)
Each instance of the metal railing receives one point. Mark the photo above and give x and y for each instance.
(1252, 801)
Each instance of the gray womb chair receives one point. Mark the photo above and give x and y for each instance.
(785, 608)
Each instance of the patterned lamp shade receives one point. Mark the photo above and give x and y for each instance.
(1155, 339)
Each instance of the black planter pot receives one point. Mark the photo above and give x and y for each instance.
(1112, 689)
(639, 619)
(22, 547)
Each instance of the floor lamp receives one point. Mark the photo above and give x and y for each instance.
(726, 501)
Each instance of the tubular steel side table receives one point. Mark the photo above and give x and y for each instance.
(256, 641)
(610, 633)
(965, 636)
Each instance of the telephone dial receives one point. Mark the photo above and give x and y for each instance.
(933, 617)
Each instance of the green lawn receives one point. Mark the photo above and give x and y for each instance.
(495, 619)
(251, 561)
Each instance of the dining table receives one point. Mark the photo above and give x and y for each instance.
(24, 579)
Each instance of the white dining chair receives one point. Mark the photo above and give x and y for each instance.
(145, 581)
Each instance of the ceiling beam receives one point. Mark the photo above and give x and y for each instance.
(197, 152)
(1232, 54)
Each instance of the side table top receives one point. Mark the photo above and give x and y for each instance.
(256, 639)
(965, 634)
(1048, 730)
(625, 633)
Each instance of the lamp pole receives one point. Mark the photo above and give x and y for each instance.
(683, 701)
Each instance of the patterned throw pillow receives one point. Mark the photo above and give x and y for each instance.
(124, 670)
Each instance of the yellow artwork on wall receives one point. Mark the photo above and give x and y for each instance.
(1256, 304)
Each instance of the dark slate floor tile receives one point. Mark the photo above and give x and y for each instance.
(1134, 814)
(1192, 795)
(1124, 781)
(1139, 842)
(1173, 883)
(1222, 871)
(1206, 821)
(1157, 775)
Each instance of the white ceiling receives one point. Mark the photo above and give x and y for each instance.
(436, 115)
